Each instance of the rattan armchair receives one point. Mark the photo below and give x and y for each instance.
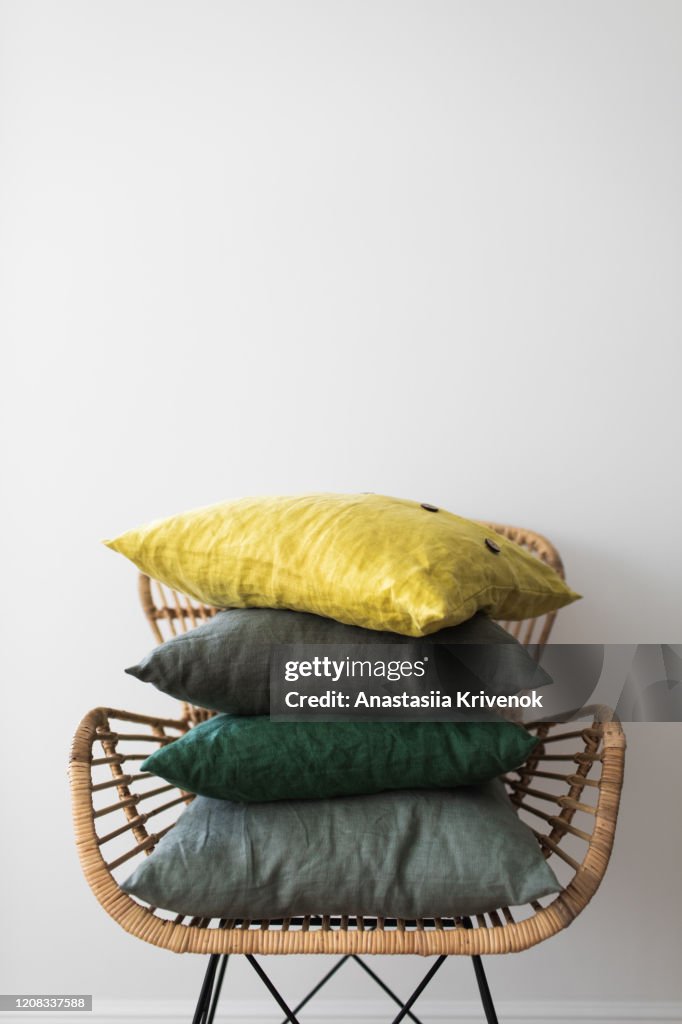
(568, 791)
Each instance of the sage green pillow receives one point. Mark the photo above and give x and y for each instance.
(411, 854)
(256, 759)
(224, 664)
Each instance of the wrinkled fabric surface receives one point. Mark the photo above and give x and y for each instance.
(403, 854)
(363, 559)
(224, 664)
(256, 759)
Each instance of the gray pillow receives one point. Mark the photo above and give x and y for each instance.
(224, 664)
(406, 854)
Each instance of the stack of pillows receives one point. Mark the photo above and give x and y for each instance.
(390, 819)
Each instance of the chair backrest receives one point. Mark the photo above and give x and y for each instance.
(170, 613)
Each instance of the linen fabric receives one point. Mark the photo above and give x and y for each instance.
(256, 759)
(410, 854)
(224, 664)
(362, 559)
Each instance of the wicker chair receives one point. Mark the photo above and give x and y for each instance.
(568, 791)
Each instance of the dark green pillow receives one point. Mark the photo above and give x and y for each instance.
(224, 664)
(410, 854)
(256, 759)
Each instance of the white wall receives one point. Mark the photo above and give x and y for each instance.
(424, 248)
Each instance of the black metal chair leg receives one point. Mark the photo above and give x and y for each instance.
(482, 981)
(486, 998)
(382, 985)
(207, 987)
(321, 982)
(419, 989)
(211, 987)
(218, 986)
(289, 1013)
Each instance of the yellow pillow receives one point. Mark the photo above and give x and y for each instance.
(363, 559)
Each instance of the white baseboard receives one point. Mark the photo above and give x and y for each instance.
(364, 1012)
